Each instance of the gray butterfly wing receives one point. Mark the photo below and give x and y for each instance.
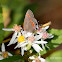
(35, 23)
(30, 13)
(28, 26)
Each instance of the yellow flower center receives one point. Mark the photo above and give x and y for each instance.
(5, 54)
(21, 39)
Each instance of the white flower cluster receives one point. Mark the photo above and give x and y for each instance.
(35, 58)
(4, 54)
(26, 40)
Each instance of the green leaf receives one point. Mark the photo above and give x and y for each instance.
(16, 58)
(55, 31)
(55, 57)
(1, 26)
(54, 42)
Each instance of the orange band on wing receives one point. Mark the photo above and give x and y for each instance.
(33, 24)
(31, 21)
(28, 16)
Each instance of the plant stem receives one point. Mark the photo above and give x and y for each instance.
(7, 40)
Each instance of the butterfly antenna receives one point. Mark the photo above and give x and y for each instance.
(46, 24)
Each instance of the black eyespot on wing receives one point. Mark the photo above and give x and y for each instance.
(36, 23)
(36, 28)
(34, 35)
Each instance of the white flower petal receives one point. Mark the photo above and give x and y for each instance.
(24, 44)
(3, 47)
(47, 46)
(13, 38)
(22, 51)
(23, 32)
(1, 58)
(50, 36)
(10, 54)
(33, 61)
(46, 27)
(19, 45)
(40, 42)
(5, 29)
(31, 57)
(19, 34)
(42, 59)
(37, 48)
(25, 48)
(37, 37)
(28, 34)
(38, 32)
(43, 46)
(44, 41)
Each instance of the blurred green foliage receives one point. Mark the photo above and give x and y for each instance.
(1, 32)
(1, 26)
(16, 58)
(55, 57)
(52, 43)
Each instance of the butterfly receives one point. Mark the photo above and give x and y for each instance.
(30, 23)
